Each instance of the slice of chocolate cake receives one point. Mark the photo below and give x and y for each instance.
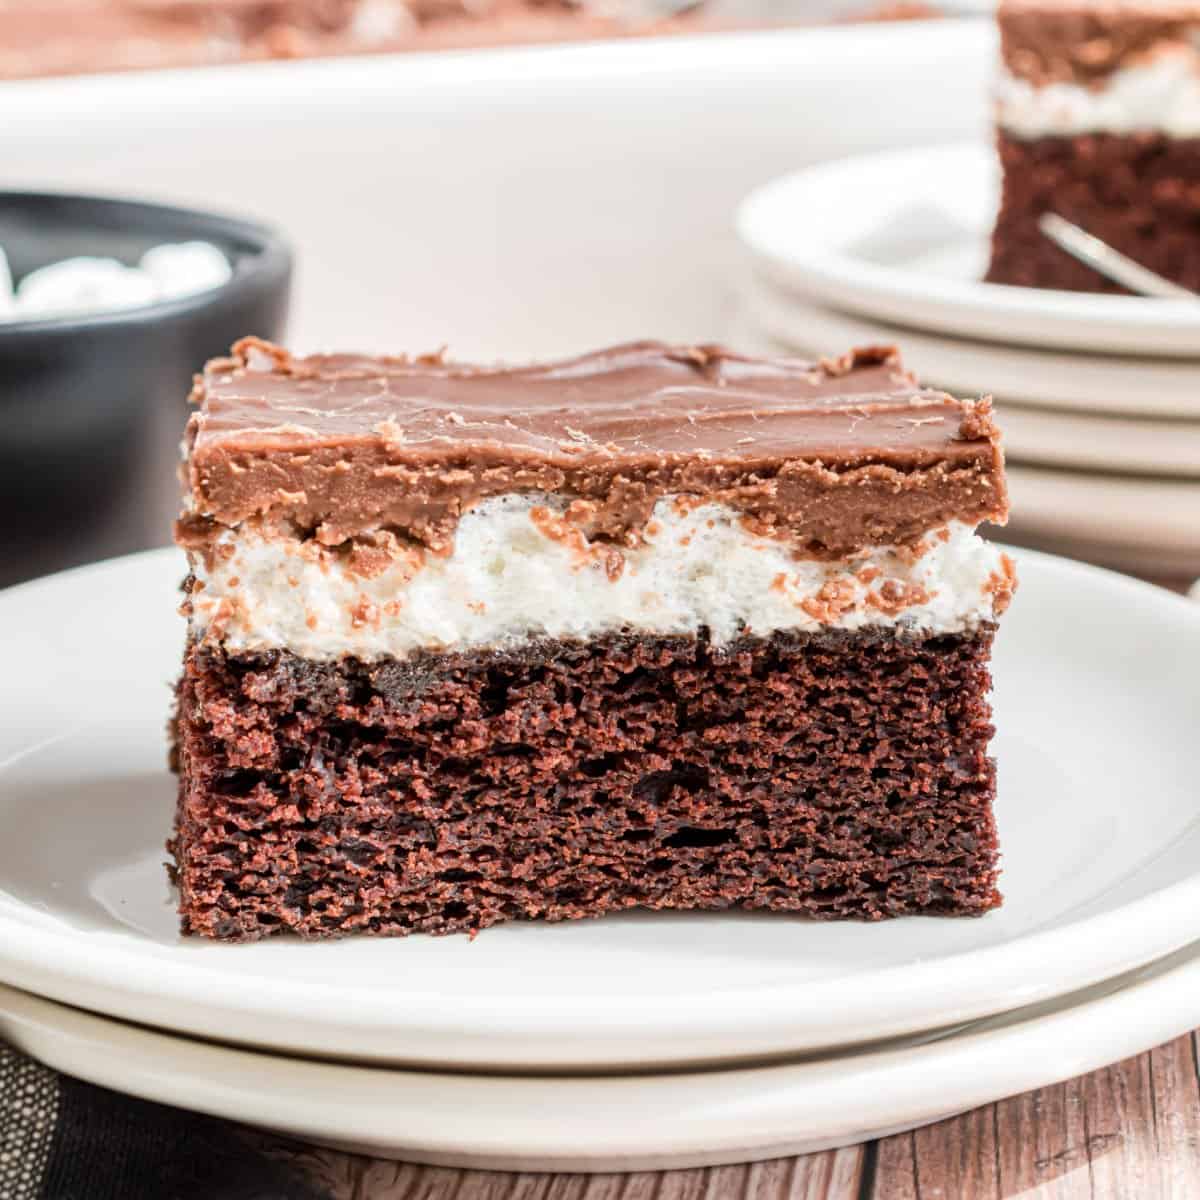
(1099, 121)
(656, 627)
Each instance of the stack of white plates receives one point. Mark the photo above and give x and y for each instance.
(638, 1041)
(1098, 396)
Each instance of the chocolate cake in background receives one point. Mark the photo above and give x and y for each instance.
(83, 36)
(1099, 121)
(660, 626)
(61, 37)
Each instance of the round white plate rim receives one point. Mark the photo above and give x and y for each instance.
(1109, 510)
(637, 1122)
(64, 966)
(1181, 566)
(767, 224)
(1091, 386)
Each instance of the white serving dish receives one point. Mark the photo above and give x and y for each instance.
(513, 203)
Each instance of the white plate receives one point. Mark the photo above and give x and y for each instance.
(1110, 512)
(903, 236)
(1112, 444)
(1172, 569)
(1097, 704)
(642, 1122)
(1088, 384)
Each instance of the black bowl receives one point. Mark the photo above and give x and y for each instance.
(91, 408)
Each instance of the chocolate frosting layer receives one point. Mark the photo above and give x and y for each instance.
(841, 453)
(1077, 41)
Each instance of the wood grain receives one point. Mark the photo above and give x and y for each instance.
(834, 1175)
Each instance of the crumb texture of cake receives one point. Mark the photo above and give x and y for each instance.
(660, 626)
(832, 775)
(1098, 114)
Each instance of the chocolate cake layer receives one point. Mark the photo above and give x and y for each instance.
(1082, 41)
(1139, 193)
(840, 454)
(835, 775)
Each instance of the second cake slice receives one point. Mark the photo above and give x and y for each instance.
(656, 627)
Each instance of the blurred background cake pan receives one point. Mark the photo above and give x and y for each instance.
(584, 190)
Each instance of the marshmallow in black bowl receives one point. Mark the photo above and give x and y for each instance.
(83, 285)
(109, 309)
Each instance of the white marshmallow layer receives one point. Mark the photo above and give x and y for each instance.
(518, 572)
(1159, 95)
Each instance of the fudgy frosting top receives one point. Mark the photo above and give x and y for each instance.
(634, 400)
(341, 445)
(1083, 41)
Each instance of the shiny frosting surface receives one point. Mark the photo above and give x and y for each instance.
(642, 400)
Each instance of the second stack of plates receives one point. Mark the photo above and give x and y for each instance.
(1098, 396)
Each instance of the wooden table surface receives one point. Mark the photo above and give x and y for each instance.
(1130, 1131)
